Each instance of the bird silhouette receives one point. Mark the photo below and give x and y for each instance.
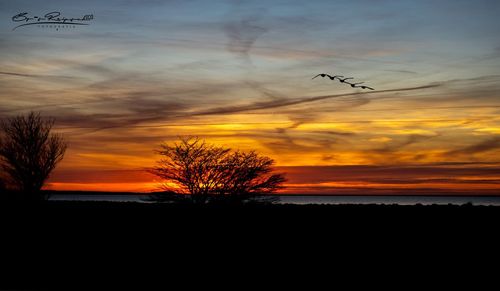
(322, 75)
(354, 84)
(326, 75)
(364, 87)
(344, 80)
(336, 76)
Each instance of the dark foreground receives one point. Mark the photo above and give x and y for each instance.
(53, 214)
(123, 222)
(71, 244)
(89, 219)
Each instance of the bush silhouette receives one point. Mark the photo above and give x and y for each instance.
(210, 173)
(29, 152)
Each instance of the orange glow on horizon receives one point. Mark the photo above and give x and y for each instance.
(309, 180)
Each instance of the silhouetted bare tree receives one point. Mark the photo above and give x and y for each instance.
(29, 152)
(211, 172)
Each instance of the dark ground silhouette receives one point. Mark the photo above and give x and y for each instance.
(72, 245)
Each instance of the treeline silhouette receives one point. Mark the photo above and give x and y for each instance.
(192, 170)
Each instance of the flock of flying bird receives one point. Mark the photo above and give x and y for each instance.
(354, 85)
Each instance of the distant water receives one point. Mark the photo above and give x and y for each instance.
(313, 199)
(401, 200)
(99, 197)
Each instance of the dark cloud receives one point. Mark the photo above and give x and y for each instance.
(142, 108)
(288, 143)
(36, 75)
(399, 145)
(338, 133)
(425, 180)
(281, 141)
(401, 173)
(289, 102)
(474, 80)
(367, 174)
(329, 158)
(301, 114)
(483, 146)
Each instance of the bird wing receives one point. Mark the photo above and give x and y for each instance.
(316, 76)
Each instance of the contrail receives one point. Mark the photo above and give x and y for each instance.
(34, 75)
(284, 103)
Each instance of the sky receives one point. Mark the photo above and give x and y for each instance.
(238, 74)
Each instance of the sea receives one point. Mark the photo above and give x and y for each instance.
(311, 199)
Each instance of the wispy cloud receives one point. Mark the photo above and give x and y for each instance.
(402, 71)
(480, 147)
(243, 29)
(396, 146)
(37, 75)
(283, 103)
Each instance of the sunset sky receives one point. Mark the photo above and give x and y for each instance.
(238, 73)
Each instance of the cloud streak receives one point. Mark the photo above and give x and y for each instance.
(151, 111)
(394, 147)
(481, 147)
(283, 103)
(37, 76)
